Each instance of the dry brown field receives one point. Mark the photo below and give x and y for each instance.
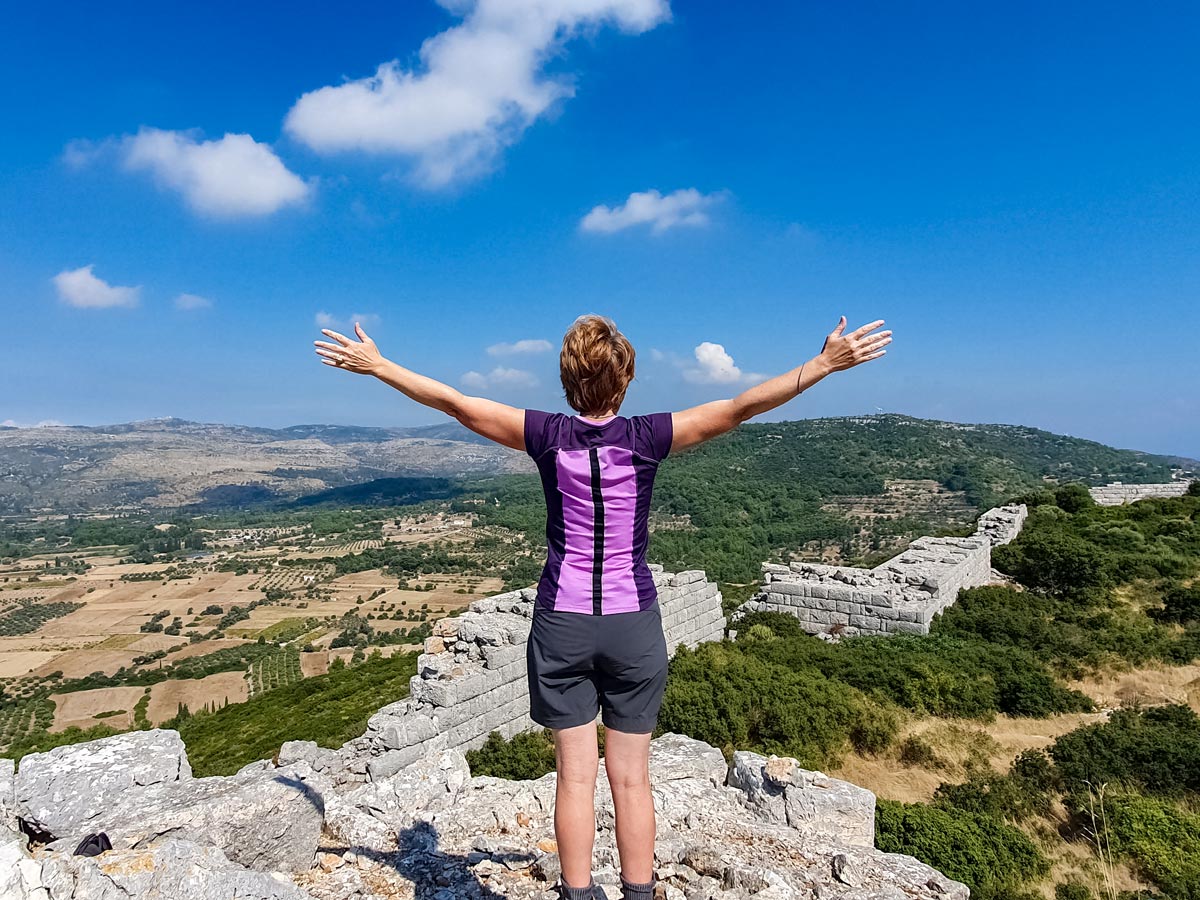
(315, 663)
(80, 707)
(17, 662)
(1151, 685)
(166, 696)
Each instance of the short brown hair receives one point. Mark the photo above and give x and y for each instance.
(596, 365)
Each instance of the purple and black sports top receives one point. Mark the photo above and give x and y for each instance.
(597, 477)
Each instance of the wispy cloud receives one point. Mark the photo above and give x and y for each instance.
(479, 85)
(500, 376)
(81, 288)
(231, 177)
(336, 323)
(686, 206)
(715, 366)
(192, 301)
(530, 345)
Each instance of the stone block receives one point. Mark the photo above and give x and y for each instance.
(64, 790)
(498, 657)
(789, 588)
(398, 733)
(433, 691)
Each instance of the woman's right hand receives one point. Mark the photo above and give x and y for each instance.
(844, 351)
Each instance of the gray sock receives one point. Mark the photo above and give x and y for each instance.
(574, 893)
(631, 891)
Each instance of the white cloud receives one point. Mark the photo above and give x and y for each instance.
(715, 366)
(231, 177)
(479, 85)
(82, 289)
(501, 377)
(192, 301)
(686, 206)
(45, 423)
(530, 345)
(334, 323)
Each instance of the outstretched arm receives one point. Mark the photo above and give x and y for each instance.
(496, 421)
(841, 351)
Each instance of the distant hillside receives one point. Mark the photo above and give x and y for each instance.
(791, 467)
(165, 463)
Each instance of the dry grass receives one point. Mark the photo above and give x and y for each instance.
(956, 744)
(1151, 685)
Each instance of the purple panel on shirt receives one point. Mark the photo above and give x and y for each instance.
(575, 485)
(618, 488)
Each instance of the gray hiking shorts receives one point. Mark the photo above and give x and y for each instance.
(580, 664)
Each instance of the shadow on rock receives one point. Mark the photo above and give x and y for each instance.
(434, 873)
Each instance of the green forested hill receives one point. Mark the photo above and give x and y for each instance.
(854, 455)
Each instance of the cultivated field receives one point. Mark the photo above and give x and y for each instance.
(87, 635)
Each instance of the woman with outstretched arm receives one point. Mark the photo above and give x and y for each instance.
(596, 646)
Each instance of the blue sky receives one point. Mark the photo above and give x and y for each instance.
(1013, 187)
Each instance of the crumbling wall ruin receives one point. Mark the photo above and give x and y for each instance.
(900, 596)
(1117, 493)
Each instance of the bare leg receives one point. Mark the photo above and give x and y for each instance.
(626, 760)
(577, 756)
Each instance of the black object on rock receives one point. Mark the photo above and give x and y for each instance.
(93, 845)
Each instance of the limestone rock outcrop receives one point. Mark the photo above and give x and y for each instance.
(62, 791)
(171, 870)
(264, 818)
(764, 828)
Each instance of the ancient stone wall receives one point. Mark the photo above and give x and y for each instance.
(471, 679)
(900, 596)
(1117, 493)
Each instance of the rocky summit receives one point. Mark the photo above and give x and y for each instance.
(761, 827)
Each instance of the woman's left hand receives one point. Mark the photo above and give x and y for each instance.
(361, 356)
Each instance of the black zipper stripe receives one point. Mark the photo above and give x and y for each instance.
(598, 528)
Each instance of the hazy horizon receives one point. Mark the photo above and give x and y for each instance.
(446, 420)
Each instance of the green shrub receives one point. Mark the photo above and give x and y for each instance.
(993, 859)
(1161, 839)
(729, 698)
(1029, 789)
(1156, 749)
(914, 751)
(1053, 561)
(329, 709)
(525, 756)
(1073, 498)
(1072, 890)
(1180, 604)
